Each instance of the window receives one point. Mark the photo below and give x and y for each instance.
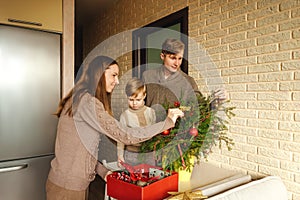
(147, 41)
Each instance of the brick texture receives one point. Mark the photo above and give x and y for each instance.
(255, 47)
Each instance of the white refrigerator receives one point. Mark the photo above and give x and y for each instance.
(30, 70)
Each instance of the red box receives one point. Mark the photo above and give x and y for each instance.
(158, 190)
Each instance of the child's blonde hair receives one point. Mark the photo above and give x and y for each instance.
(134, 86)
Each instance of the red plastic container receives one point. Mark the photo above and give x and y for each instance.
(158, 190)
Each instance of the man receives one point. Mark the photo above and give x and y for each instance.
(170, 77)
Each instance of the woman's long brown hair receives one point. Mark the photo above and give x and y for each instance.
(92, 81)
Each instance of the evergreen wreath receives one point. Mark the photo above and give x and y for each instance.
(202, 127)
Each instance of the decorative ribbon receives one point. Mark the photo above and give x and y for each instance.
(181, 155)
(187, 195)
(154, 152)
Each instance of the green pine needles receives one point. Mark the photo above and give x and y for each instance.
(203, 126)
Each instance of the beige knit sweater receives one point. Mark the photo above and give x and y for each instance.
(76, 149)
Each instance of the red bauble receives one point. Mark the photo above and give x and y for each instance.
(177, 104)
(193, 131)
(166, 132)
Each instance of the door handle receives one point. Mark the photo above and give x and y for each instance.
(13, 168)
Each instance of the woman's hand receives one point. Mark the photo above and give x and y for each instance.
(121, 159)
(174, 113)
(108, 173)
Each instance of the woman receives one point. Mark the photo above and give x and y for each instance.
(84, 114)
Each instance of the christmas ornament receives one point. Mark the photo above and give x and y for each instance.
(166, 132)
(193, 131)
(177, 104)
(138, 176)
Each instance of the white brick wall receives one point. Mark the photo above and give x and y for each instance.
(255, 45)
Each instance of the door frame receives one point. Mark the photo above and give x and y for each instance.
(139, 54)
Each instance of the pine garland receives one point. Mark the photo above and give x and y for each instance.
(174, 150)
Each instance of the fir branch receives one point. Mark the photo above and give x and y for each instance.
(176, 149)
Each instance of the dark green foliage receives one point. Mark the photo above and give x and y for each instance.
(209, 116)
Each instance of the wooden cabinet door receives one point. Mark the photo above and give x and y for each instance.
(38, 14)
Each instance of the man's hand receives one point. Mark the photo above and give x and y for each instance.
(220, 94)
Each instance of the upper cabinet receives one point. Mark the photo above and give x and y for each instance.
(38, 14)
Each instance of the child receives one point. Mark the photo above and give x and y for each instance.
(137, 115)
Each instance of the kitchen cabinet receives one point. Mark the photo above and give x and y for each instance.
(38, 14)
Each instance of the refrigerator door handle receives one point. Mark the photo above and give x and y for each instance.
(13, 168)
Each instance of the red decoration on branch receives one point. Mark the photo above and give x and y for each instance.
(166, 132)
(193, 131)
(177, 104)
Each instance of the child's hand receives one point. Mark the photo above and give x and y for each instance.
(174, 113)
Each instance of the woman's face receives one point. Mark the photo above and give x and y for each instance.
(111, 77)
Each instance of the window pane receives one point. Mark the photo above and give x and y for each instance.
(155, 40)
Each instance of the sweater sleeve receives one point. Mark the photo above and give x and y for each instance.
(193, 84)
(153, 116)
(93, 113)
(123, 119)
(101, 170)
